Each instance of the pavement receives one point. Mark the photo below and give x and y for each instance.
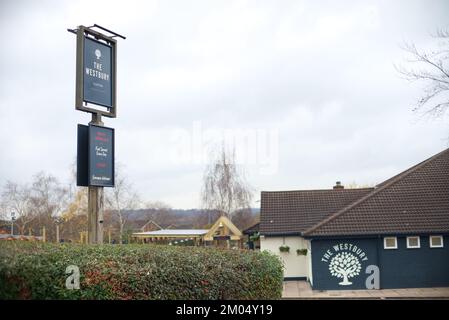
(303, 290)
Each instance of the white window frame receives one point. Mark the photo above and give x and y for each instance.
(395, 243)
(442, 241)
(414, 247)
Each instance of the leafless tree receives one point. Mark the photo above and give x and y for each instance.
(17, 198)
(158, 205)
(3, 211)
(74, 218)
(35, 205)
(355, 185)
(121, 199)
(49, 199)
(224, 187)
(243, 219)
(432, 69)
(158, 211)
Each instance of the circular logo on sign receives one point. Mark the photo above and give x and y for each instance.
(98, 53)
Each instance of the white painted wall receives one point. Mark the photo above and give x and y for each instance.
(295, 266)
(309, 261)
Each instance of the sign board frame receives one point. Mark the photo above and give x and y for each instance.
(84, 33)
(82, 156)
(84, 153)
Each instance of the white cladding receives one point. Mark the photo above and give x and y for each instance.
(295, 265)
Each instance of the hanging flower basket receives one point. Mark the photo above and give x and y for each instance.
(284, 248)
(301, 252)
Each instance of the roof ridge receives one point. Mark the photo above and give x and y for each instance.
(308, 190)
(412, 167)
(154, 222)
(394, 180)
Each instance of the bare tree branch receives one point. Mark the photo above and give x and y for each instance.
(224, 188)
(17, 198)
(39, 203)
(121, 199)
(433, 71)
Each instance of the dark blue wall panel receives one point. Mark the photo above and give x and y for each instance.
(323, 253)
(415, 268)
(399, 268)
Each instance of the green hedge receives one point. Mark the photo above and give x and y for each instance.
(33, 270)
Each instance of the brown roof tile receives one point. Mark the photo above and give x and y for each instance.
(414, 201)
(252, 229)
(288, 212)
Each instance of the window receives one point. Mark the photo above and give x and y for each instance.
(436, 242)
(413, 242)
(390, 243)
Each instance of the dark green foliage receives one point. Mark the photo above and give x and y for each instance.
(33, 270)
(255, 236)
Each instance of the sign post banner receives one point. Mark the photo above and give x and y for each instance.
(101, 156)
(96, 64)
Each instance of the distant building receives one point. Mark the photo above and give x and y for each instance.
(223, 233)
(4, 236)
(147, 225)
(5, 233)
(337, 238)
(252, 236)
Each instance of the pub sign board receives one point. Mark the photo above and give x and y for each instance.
(96, 58)
(95, 157)
(101, 156)
(97, 83)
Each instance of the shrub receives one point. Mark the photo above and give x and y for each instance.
(34, 270)
(255, 237)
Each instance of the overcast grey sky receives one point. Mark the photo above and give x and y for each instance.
(310, 85)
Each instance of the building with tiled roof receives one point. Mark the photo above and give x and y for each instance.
(293, 212)
(394, 235)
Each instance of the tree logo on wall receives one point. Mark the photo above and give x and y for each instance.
(345, 265)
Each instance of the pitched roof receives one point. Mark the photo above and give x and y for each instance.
(153, 223)
(414, 201)
(218, 228)
(252, 229)
(292, 212)
(172, 232)
(142, 223)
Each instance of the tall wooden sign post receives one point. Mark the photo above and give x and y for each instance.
(96, 64)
